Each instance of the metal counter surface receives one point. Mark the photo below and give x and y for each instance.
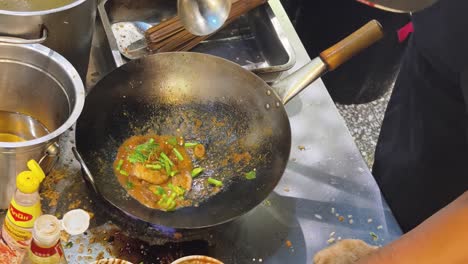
(326, 193)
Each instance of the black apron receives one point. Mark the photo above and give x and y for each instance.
(421, 159)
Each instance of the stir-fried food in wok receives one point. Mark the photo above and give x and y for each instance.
(158, 170)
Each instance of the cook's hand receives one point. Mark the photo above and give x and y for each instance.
(347, 251)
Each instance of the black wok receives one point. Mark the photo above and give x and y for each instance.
(211, 100)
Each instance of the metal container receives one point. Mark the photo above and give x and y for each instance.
(37, 86)
(255, 41)
(68, 30)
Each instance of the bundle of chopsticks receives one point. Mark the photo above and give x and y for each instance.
(171, 35)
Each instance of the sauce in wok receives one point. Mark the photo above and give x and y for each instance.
(158, 170)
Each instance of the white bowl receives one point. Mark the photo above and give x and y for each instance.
(111, 261)
(201, 259)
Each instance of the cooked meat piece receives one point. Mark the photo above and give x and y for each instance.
(183, 180)
(199, 151)
(149, 175)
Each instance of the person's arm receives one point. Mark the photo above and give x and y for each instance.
(443, 238)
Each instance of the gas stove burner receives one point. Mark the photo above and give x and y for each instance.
(168, 231)
(151, 233)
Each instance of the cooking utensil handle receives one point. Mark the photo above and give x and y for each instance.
(15, 40)
(87, 176)
(329, 59)
(344, 50)
(50, 158)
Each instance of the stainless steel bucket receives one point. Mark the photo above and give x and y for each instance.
(68, 30)
(37, 85)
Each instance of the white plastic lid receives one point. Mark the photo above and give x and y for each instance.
(75, 222)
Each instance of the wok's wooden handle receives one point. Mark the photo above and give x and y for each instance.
(352, 45)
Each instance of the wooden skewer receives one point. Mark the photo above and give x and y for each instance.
(171, 35)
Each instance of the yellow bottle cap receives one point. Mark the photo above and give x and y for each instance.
(29, 181)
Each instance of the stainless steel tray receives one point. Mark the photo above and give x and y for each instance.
(256, 41)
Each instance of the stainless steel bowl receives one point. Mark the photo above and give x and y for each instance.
(36, 85)
(66, 29)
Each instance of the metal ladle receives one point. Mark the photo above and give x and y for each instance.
(203, 17)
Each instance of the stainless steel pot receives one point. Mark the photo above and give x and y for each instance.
(68, 30)
(37, 86)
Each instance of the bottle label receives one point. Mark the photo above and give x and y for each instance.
(23, 216)
(16, 236)
(45, 255)
(18, 215)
